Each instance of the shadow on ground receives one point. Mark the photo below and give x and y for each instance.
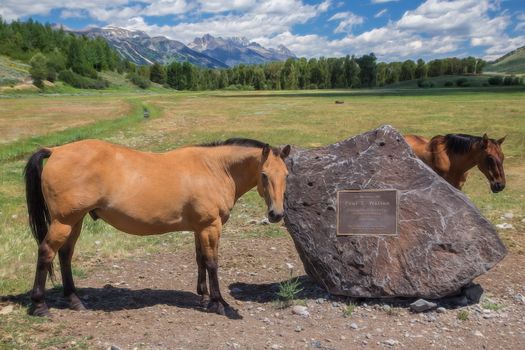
(267, 292)
(111, 298)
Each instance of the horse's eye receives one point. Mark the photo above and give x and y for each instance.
(264, 178)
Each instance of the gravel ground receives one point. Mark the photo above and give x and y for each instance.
(150, 303)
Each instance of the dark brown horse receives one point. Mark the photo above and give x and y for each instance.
(190, 188)
(453, 155)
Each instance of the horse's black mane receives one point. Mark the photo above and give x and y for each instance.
(460, 143)
(238, 142)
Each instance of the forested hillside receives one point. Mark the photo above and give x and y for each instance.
(55, 54)
(77, 60)
(512, 63)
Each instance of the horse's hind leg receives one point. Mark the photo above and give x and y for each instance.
(209, 243)
(202, 288)
(57, 235)
(65, 254)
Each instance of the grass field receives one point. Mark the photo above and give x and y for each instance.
(306, 119)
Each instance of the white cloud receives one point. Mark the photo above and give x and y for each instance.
(14, 9)
(381, 13)
(265, 19)
(347, 20)
(311, 45)
(211, 6)
(166, 7)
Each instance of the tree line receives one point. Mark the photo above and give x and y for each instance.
(314, 73)
(77, 60)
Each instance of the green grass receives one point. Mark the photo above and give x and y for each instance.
(12, 71)
(20, 148)
(288, 290)
(489, 305)
(349, 309)
(463, 315)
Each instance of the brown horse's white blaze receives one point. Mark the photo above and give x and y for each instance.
(191, 188)
(453, 155)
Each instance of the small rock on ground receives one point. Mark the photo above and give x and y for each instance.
(391, 342)
(504, 226)
(422, 305)
(300, 310)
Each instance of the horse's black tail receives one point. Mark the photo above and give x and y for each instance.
(36, 205)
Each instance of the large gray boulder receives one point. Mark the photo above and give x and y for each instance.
(443, 241)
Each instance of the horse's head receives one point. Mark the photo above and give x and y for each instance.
(490, 162)
(271, 182)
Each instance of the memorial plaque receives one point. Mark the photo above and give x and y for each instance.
(367, 212)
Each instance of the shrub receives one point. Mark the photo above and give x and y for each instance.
(8, 82)
(463, 315)
(496, 80)
(288, 290)
(449, 83)
(512, 80)
(462, 82)
(425, 83)
(38, 70)
(140, 81)
(85, 71)
(349, 309)
(51, 74)
(78, 81)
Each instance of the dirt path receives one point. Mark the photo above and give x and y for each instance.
(149, 303)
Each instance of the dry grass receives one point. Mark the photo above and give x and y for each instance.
(31, 116)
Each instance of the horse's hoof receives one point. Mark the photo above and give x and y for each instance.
(216, 307)
(205, 300)
(75, 303)
(40, 310)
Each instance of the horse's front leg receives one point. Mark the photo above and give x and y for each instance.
(209, 244)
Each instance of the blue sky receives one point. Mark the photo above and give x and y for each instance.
(393, 30)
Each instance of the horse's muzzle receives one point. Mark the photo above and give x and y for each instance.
(274, 217)
(497, 187)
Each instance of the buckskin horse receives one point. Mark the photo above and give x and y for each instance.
(453, 155)
(192, 188)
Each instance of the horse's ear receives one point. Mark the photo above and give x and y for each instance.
(485, 140)
(500, 141)
(266, 151)
(285, 152)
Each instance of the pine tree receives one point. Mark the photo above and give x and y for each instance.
(157, 73)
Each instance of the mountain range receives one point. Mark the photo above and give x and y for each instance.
(208, 51)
